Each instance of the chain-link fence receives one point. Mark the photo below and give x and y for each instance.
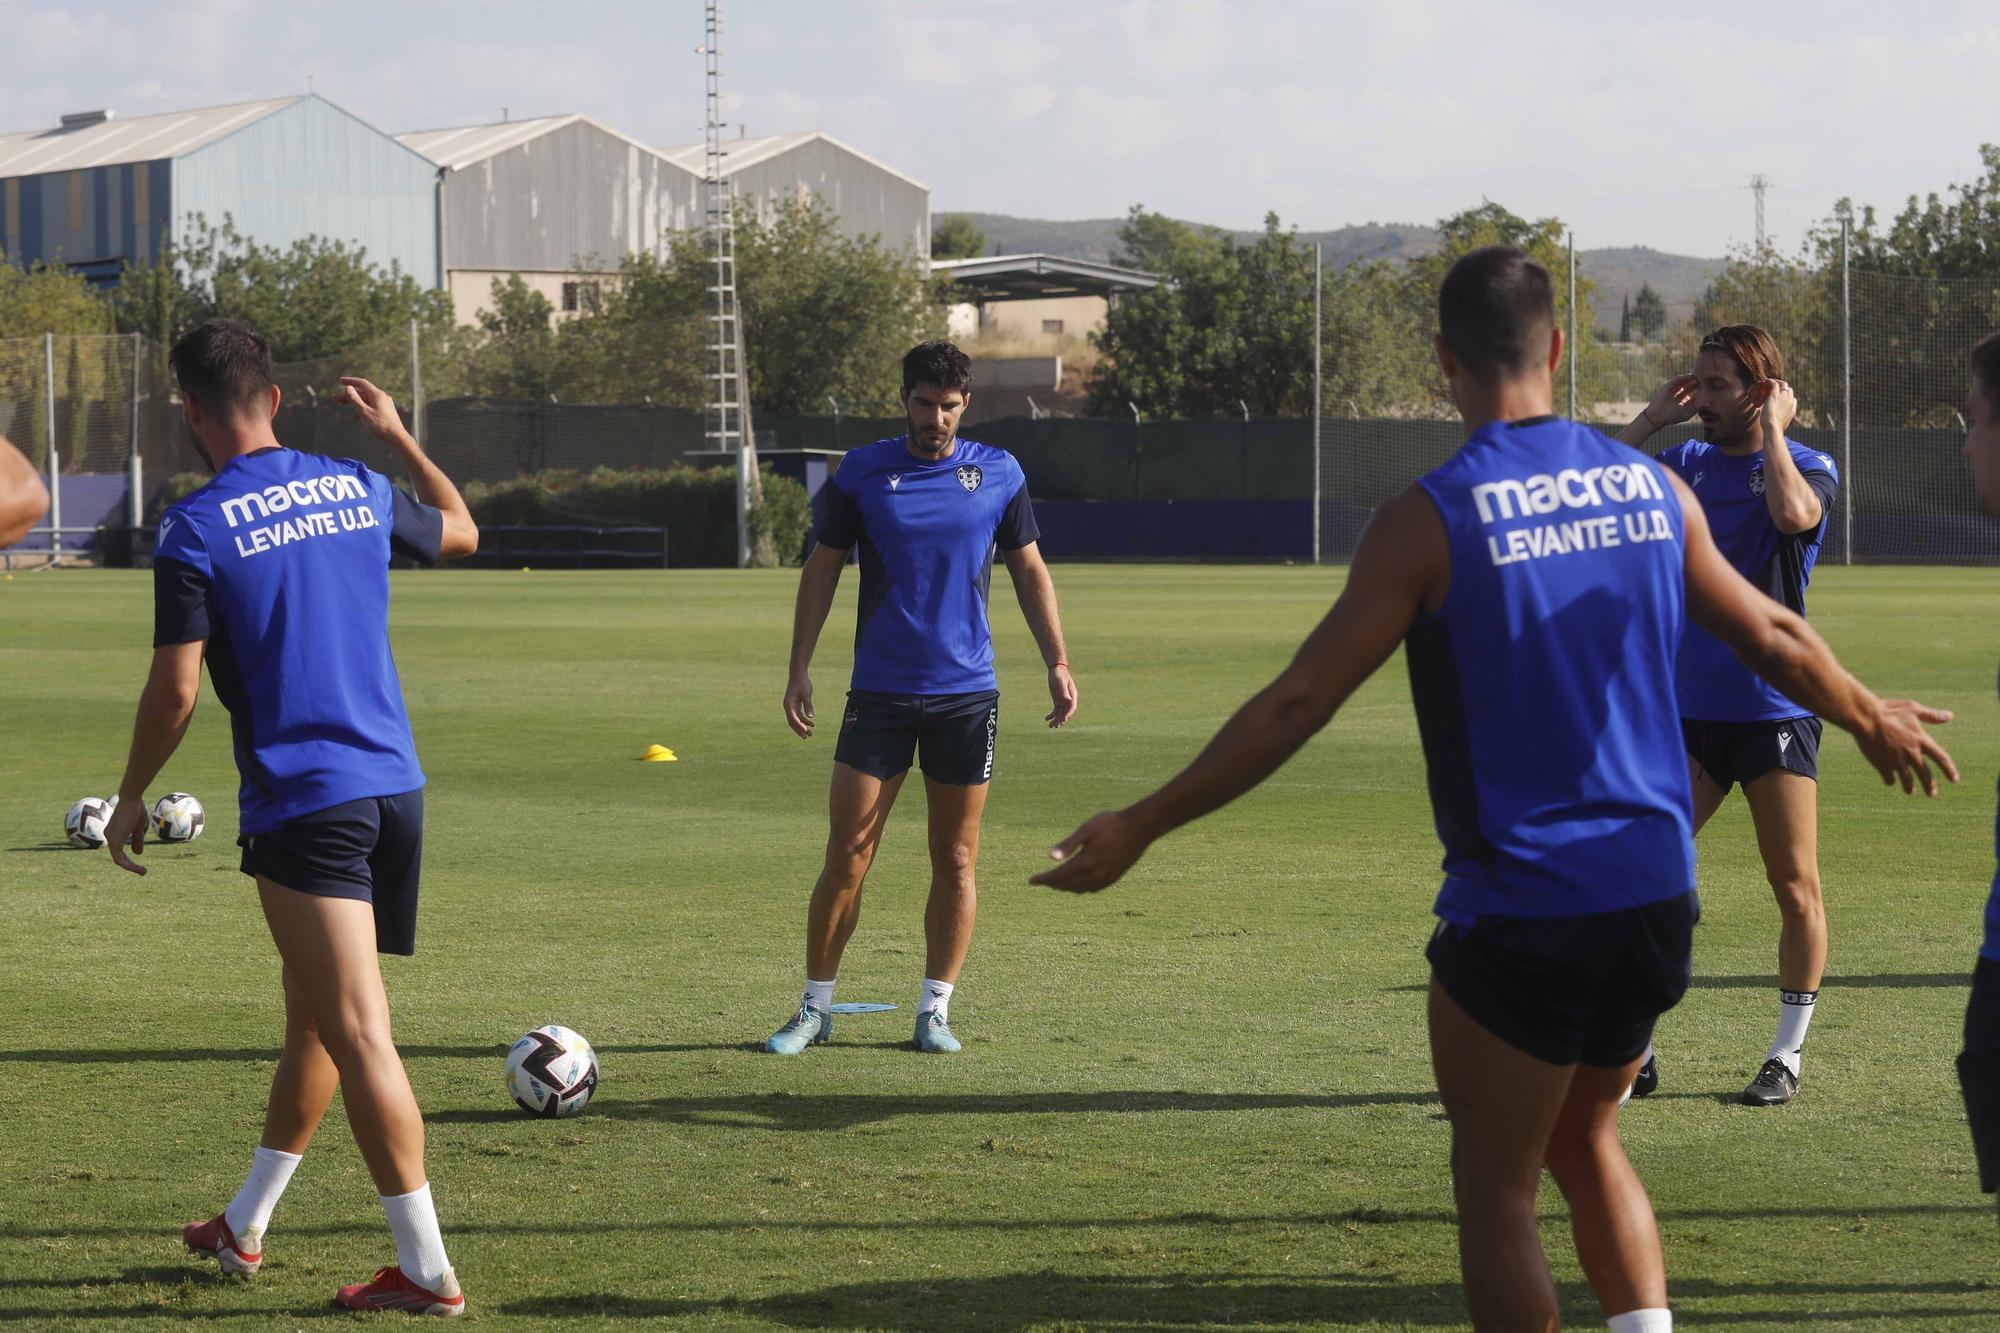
(1878, 362)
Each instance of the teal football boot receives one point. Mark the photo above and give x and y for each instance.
(933, 1035)
(808, 1027)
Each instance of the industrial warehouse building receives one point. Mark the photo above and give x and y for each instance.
(869, 198)
(96, 191)
(559, 200)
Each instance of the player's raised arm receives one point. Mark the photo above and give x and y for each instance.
(23, 497)
(374, 409)
(1779, 646)
(1795, 506)
(1401, 566)
(1673, 404)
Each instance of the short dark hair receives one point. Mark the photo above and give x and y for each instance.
(1496, 310)
(222, 364)
(1754, 351)
(1986, 368)
(939, 363)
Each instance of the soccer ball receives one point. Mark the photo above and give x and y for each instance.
(552, 1071)
(86, 820)
(177, 817)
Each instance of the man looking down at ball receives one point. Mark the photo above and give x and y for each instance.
(1538, 579)
(277, 571)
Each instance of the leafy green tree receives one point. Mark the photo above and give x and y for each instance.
(954, 237)
(44, 298)
(1648, 314)
(516, 356)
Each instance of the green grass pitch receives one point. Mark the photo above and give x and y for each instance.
(1199, 1100)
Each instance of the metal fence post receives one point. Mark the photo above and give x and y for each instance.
(1846, 398)
(135, 470)
(1319, 493)
(416, 387)
(54, 464)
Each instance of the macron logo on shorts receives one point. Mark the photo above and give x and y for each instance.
(1784, 739)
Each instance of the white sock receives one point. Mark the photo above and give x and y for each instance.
(935, 995)
(413, 1220)
(1642, 1321)
(250, 1211)
(1795, 1011)
(819, 994)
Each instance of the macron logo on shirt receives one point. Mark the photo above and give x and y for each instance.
(252, 506)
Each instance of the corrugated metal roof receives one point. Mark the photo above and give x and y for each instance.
(749, 152)
(456, 149)
(140, 139)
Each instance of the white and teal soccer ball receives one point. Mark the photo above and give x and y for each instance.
(178, 817)
(552, 1072)
(84, 824)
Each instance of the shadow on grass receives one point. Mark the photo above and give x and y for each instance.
(198, 1054)
(181, 1279)
(837, 1111)
(1197, 1300)
(54, 847)
(1769, 981)
(1221, 1222)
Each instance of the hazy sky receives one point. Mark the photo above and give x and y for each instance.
(1637, 128)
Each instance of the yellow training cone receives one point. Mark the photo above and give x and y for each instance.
(659, 754)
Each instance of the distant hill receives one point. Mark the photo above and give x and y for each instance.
(1618, 272)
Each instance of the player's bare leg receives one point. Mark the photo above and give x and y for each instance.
(955, 812)
(328, 945)
(303, 1085)
(1617, 1238)
(858, 806)
(1784, 806)
(1503, 1105)
(1708, 797)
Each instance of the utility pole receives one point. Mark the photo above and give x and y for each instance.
(1758, 184)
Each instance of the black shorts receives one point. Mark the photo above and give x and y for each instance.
(1733, 752)
(1571, 990)
(1979, 1070)
(370, 849)
(951, 735)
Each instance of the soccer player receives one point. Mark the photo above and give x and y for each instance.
(277, 571)
(23, 497)
(1539, 580)
(1979, 1061)
(1766, 499)
(927, 510)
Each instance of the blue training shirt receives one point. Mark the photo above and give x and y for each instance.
(282, 564)
(1544, 682)
(927, 531)
(1714, 684)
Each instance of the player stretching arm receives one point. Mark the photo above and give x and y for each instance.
(1567, 912)
(277, 572)
(23, 497)
(1766, 499)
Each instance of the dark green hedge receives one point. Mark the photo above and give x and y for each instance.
(697, 507)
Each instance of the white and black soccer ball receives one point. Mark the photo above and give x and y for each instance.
(552, 1072)
(178, 817)
(84, 824)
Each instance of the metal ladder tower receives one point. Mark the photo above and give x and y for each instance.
(727, 419)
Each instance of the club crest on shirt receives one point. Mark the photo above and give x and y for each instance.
(1757, 482)
(969, 476)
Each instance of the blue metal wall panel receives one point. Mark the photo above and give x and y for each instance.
(311, 169)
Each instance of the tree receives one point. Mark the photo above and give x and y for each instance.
(516, 356)
(1625, 319)
(954, 237)
(1648, 315)
(43, 298)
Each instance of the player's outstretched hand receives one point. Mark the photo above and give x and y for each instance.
(373, 408)
(1062, 693)
(1776, 401)
(1674, 403)
(1096, 855)
(1900, 748)
(127, 825)
(799, 705)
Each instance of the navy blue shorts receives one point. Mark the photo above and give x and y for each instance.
(1733, 752)
(371, 849)
(1571, 990)
(1979, 1070)
(951, 735)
